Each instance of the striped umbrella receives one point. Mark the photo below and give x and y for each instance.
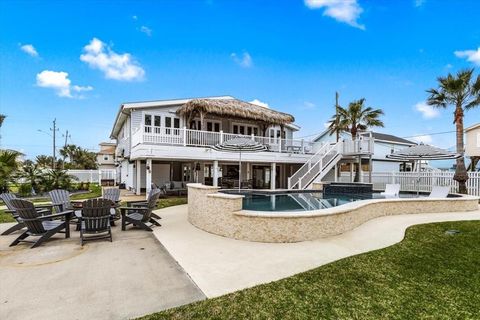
(240, 145)
(422, 152)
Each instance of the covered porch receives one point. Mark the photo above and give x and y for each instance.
(174, 175)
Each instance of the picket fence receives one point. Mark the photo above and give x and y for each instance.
(410, 181)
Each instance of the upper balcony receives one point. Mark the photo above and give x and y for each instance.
(198, 138)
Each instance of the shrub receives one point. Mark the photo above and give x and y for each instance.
(25, 189)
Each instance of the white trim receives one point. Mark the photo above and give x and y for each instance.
(473, 127)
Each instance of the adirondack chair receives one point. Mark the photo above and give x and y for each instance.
(37, 225)
(143, 203)
(141, 216)
(60, 200)
(112, 194)
(7, 198)
(95, 220)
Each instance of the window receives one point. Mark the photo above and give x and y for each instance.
(168, 125)
(209, 126)
(157, 123)
(216, 127)
(249, 130)
(235, 129)
(105, 158)
(242, 130)
(176, 123)
(148, 123)
(255, 131)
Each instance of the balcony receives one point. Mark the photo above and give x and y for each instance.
(197, 138)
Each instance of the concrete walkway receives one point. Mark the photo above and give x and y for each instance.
(221, 265)
(132, 276)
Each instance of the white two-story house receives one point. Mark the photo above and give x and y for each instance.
(169, 141)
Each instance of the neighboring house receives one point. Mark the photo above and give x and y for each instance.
(106, 155)
(384, 144)
(472, 146)
(168, 142)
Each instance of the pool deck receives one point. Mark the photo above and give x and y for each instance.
(220, 265)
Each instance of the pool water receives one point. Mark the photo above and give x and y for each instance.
(302, 201)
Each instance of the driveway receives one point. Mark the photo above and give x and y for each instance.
(132, 276)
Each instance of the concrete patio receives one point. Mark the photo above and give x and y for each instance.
(220, 265)
(132, 276)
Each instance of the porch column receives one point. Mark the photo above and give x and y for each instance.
(336, 173)
(360, 172)
(351, 172)
(215, 173)
(273, 175)
(370, 168)
(138, 180)
(148, 176)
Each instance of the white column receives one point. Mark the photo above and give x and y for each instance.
(148, 176)
(336, 173)
(273, 177)
(215, 173)
(138, 176)
(351, 171)
(360, 170)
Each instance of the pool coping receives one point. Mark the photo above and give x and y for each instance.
(344, 208)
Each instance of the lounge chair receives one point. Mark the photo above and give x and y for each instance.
(144, 203)
(391, 190)
(112, 194)
(141, 216)
(37, 225)
(439, 192)
(95, 220)
(60, 200)
(7, 199)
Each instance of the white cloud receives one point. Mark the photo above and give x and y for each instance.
(115, 66)
(29, 49)
(59, 82)
(260, 103)
(426, 139)
(146, 30)
(346, 11)
(471, 55)
(428, 112)
(245, 60)
(419, 3)
(309, 105)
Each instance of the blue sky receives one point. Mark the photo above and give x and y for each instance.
(77, 61)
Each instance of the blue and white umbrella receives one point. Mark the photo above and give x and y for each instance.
(240, 145)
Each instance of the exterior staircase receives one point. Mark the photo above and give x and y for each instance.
(317, 166)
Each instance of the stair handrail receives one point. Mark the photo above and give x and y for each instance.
(335, 146)
(307, 164)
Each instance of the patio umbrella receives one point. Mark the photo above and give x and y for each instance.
(240, 145)
(422, 152)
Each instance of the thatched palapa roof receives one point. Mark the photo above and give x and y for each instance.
(235, 108)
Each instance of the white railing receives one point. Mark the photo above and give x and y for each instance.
(198, 138)
(410, 181)
(93, 175)
(321, 161)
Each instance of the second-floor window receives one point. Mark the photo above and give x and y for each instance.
(172, 125)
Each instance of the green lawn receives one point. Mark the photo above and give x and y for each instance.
(428, 275)
(5, 217)
(169, 202)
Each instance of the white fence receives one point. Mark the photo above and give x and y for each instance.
(409, 181)
(94, 175)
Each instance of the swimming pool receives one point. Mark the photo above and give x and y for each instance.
(303, 201)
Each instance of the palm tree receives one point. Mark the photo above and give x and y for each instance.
(463, 92)
(353, 119)
(32, 174)
(2, 118)
(8, 167)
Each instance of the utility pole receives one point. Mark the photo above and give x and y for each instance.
(336, 116)
(66, 135)
(54, 130)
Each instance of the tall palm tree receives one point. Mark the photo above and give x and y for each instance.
(353, 119)
(2, 118)
(462, 91)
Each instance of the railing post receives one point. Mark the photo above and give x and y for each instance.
(221, 136)
(289, 182)
(253, 137)
(184, 136)
(303, 147)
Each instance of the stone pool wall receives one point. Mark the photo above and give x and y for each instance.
(222, 214)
